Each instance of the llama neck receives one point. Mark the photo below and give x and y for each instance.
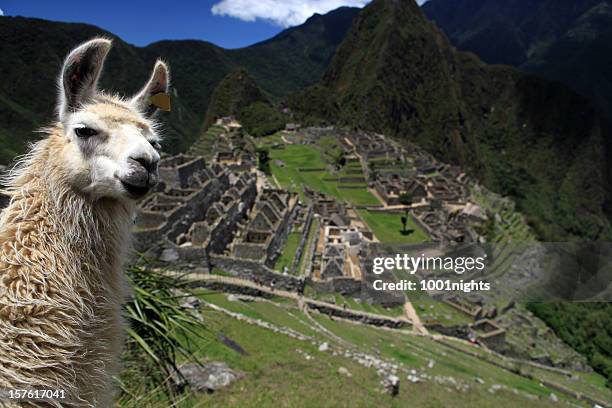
(94, 234)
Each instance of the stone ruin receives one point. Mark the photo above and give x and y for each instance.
(266, 230)
(204, 216)
(489, 333)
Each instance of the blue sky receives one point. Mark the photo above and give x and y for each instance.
(228, 23)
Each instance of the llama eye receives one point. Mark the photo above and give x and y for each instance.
(85, 132)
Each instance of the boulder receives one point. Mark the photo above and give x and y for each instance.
(209, 376)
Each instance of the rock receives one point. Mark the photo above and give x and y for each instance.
(232, 298)
(391, 385)
(413, 378)
(169, 255)
(210, 376)
(324, 347)
(431, 364)
(494, 388)
(344, 371)
(190, 302)
(479, 380)
(553, 397)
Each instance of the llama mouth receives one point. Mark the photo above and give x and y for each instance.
(135, 191)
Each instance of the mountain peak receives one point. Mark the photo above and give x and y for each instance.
(396, 73)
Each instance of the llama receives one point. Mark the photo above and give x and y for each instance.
(65, 233)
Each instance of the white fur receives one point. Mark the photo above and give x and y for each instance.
(65, 235)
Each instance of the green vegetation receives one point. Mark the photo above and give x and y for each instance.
(263, 160)
(261, 119)
(292, 60)
(430, 310)
(274, 362)
(208, 138)
(234, 93)
(550, 157)
(353, 304)
(161, 334)
(405, 199)
(587, 327)
(314, 229)
(287, 258)
(387, 228)
(577, 60)
(304, 165)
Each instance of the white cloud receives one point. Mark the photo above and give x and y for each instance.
(1, 13)
(284, 13)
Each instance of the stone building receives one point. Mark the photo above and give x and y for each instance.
(266, 231)
(489, 333)
(390, 189)
(196, 213)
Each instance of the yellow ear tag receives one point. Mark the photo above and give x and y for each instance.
(161, 100)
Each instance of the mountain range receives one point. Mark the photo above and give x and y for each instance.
(565, 40)
(33, 50)
(525, 137)
(385, 68)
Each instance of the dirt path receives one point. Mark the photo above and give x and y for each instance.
(412, 315)
(300, 300)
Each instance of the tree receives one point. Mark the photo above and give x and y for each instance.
(405, 199)
(339, 158)
(261, 119)
(263, 160)
(404, 222)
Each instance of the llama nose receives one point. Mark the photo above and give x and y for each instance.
(144, 170)
(147, 163)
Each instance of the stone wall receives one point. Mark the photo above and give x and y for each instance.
(363, 318)
(280, 235)
(257, 273)
(223, 231)
(177, 170)
(303, 241)
(226, 287)
(177, 221)
(345, 286)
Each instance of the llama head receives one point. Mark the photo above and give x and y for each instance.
(109, 146)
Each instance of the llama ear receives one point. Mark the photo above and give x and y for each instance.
(154, 95)
(80, 73)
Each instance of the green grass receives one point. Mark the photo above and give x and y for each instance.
(297, 157)
(414, 351)
(430, 309)
(287, 258)
(388, 228)
(314, 228)
(278, 375)
(202, 146)
(269, 141)
(351, 303)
